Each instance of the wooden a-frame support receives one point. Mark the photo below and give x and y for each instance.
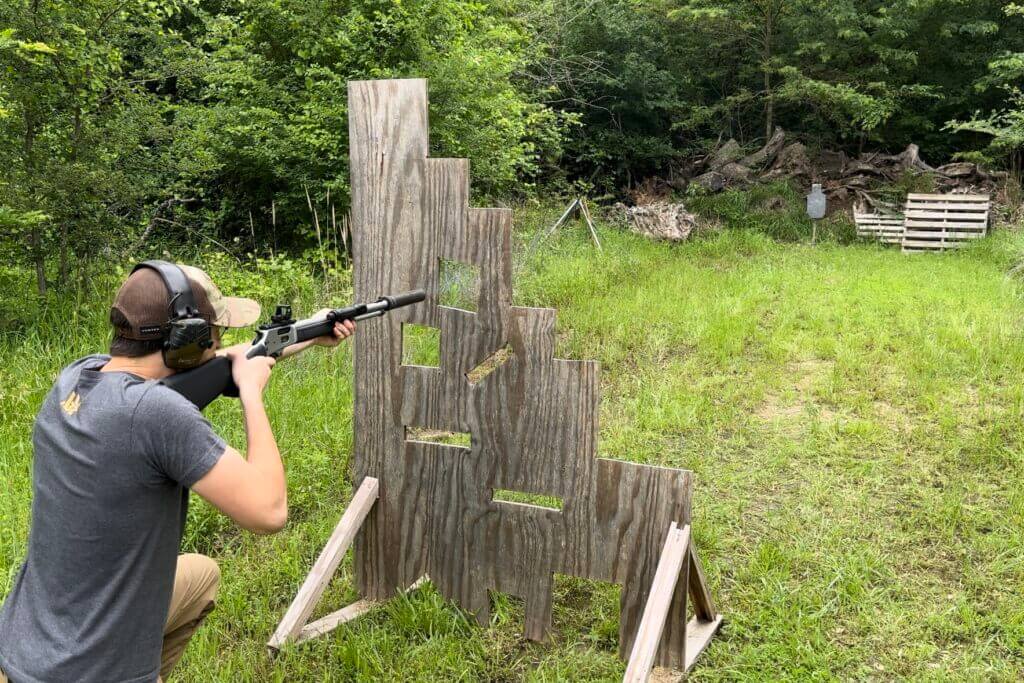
(679, 568)
(293, 627)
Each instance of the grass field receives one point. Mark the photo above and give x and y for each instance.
(853, 417)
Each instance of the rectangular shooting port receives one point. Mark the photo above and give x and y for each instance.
(527, 499)
(422, 435)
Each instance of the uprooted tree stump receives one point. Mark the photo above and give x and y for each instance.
(842, 177)
(661, 220)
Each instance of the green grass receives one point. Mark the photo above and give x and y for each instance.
(853, 417)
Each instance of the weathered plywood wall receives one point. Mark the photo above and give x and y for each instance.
(533, 421)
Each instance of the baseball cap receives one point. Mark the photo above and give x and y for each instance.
(144, 302)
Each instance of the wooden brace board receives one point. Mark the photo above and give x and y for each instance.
(532, 421)
(315, 584)
(679, 570)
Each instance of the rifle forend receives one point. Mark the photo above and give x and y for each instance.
(213, 378)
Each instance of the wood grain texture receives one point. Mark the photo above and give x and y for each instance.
(324, 625)
(323, 570)
(671, 564)
(388, 144)
(703, 602)
(446, 508)
(678, 566)
(445, 204)
(698, 637)
(969, 207)
(635, 504)
(533, 421)
(949, 198)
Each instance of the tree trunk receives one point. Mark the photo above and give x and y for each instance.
(35, 235)
(35, 239)
(76, 139)
(769, 106)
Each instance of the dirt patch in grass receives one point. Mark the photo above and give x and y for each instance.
(891, 416)
(663, 675)
(797, 396)
(806, 373)
(774, 409)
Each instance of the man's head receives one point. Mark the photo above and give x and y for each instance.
(142, 311)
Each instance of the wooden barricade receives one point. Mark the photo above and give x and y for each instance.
(528, 422)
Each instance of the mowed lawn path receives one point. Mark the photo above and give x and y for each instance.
(854, 419)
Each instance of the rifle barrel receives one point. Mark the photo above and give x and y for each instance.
(208, 381)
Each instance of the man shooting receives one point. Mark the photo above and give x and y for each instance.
(103, 594)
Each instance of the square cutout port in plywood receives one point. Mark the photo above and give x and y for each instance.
(421, 345)
(460, 285)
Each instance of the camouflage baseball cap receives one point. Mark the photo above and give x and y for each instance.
(144, 303)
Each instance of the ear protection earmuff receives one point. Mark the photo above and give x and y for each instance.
(186, 335)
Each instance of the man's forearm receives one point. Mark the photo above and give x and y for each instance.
(261, 448)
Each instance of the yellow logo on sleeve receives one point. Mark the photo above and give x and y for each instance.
(72, 403)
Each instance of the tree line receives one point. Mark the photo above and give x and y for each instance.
(128, 124)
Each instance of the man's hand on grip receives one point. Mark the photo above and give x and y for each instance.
(251, 374)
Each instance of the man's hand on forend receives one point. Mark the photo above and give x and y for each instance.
(341, 331)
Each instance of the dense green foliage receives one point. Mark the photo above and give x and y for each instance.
(164, 121)
(666, 76)
(129, 126)
(1002, 123)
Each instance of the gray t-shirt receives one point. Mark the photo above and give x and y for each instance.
(114, 457)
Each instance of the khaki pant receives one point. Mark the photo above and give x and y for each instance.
(195, 589)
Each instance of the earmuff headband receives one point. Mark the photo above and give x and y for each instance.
(183, 304)
(187, 335)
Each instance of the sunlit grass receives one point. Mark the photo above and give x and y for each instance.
(853, 416)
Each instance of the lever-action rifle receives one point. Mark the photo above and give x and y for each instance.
(213, 378)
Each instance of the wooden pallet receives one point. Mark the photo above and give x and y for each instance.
(935, 222)
(886, 228)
